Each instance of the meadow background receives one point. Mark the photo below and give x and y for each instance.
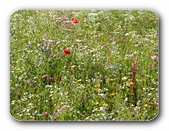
(84, 65)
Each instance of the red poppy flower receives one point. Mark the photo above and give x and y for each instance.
(66, 51)
(58, 79)
(74, 21)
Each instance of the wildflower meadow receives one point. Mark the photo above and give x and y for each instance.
(84, 65)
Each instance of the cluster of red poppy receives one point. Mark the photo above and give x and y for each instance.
(66, 51)
(58, 79)
(74, 21)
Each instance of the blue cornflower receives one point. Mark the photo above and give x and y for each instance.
(50, 63)
(132, 98)
(51, 116)
(115, 65)
(107, 117)
(86, 94)
(48, 51)
(12, 54)
(116, 111)
(105, 109)
(116, 119)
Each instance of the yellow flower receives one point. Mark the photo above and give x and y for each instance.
(97, 103)
(112, 94)
(79, 80)
(124, 78)
(130, 40)
(145, 105)
(104, 104)
(97, 85)
(121, 15)
(96, 32)
(151, 89)
(120, 24)
(150, 18)
(57, 116)
(86, 25)
(127, 83)
(73, 66)
(131, 83)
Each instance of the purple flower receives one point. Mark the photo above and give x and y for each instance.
(117, 40)
(51, 116)
(45, 76)
(57, 115)
(135, 69)
(50, 79)
(111, 48)
(151, 65)
(105, 109)
(131, 52)
(107, 117)
(116, 119)
(45, 114)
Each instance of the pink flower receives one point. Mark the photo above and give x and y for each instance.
(135, 69)
(45, 76)
(50, 79)
(156, 103)
(111, 48)
(135, 62)
(110, 40)
(117, 40)
(153, 57)
(45, 114)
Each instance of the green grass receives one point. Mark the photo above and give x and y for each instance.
(92, 84)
